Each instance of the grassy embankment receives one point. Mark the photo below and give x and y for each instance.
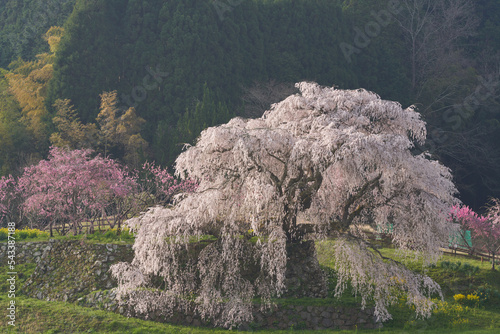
(470, 277)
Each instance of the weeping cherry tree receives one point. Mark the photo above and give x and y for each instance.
(337, 159)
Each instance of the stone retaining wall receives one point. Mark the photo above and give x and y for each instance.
(281, 317)
(76, 271)
(69, 269)
(26, 252)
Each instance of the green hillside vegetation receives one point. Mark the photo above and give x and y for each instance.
(187, 65)
(192, 52)
(23, 23)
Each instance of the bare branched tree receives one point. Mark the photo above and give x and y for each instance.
(431, 29)
(261, 95)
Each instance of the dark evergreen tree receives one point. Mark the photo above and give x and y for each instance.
(89, 58)
(22, 23)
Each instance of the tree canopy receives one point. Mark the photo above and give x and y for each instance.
(338, 159)
(71, 186)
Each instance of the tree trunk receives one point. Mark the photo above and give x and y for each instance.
(75, 228)
(293, 234)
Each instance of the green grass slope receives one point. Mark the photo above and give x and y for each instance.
(37, 316)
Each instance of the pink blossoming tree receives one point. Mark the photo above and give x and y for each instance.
(10, 200)
(488, 233)
(339, 159)
(485, 229)
(160, 186)
(465, 217)
(71, 187)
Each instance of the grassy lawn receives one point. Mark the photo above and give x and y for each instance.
(37, 316)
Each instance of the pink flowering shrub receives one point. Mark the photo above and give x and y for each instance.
(72, 187)
(465, 217)
(485, 230)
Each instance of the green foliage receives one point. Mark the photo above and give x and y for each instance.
(465, 268)
(105, 236)
(22, 234)
(110, 236)
(14, 137)
(184, 67)
(25, 233)
(24, 271)
(164, 56)
(23, 22)
(488, 296)
(207, 112)
(453, 315)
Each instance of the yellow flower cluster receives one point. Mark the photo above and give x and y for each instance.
(453, 314)
(446, 308)
(473, 298)
(25, 233)
(459, 297)
(470, 299)
(460, 323)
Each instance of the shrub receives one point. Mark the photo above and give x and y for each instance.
(484, 294)
(468, 269)
(111, 235)
(454, 314)
(471, 300)
(451, 266)
(465, 268)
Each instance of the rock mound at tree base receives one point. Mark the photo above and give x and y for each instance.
(304, 277)
(69, 269)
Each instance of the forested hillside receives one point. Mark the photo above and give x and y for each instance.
(23, 23)
(181, 66)
(160, 56)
